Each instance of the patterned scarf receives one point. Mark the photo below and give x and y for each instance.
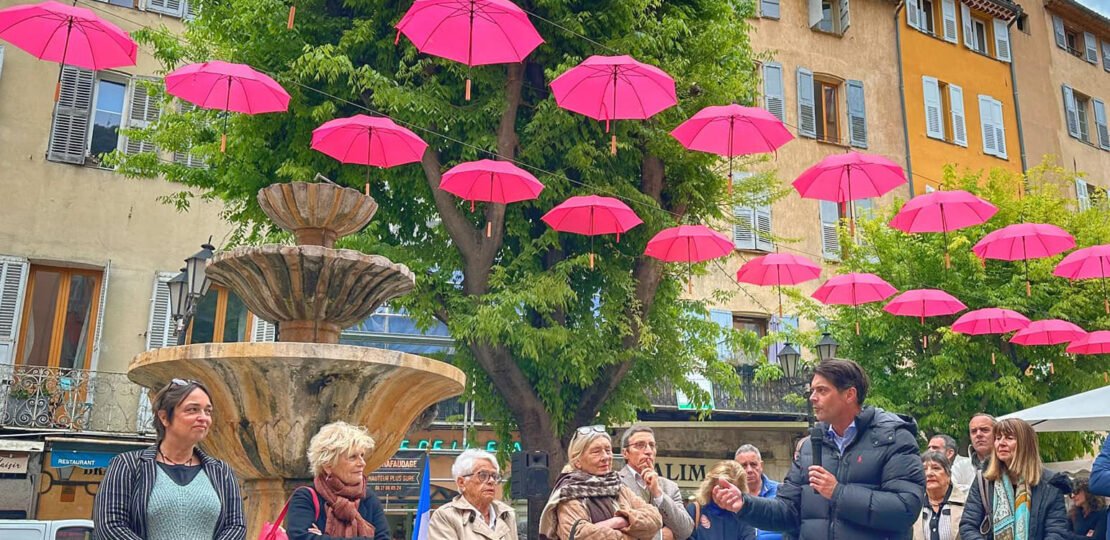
(599, 494)
(1011, 510)
(342, 500)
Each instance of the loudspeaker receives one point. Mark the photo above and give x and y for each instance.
(529, 475)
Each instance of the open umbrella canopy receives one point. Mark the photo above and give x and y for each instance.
(990, 321)
(924, 303)
(471, 32)
(592, 215)
(1087, 263)
(490, 181)
(1081, 412)
(1048, 332)
(849, 177)
(368, 140)
(67, 35)
(854, 289)
(732, 130)
(225, 86)
(942, 211)
(688, 243)
(778, 269)
(1022, 241)
(1092, 343)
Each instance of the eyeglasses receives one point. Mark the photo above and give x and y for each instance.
(641, 446)
(183, 382)
(485, 477)
(586, 430)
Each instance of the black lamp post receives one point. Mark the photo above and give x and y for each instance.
(795, 372)
(188, 287)
(826, 348)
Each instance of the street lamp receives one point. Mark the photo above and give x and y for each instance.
(789, 359)
(826, 348)
(198, 278)
(179, 295)
(188, 287)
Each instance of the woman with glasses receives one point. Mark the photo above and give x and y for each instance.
(589, 501)
(171, 490)
(475, 514)
(339, 504)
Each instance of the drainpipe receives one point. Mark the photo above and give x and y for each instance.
(902, 91)
(1017, 103)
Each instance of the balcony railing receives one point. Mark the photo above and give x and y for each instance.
(756, 397)
(33, 397)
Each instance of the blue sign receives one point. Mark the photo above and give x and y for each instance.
(75, 458)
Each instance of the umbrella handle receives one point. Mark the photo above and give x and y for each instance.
(613, 145)
(468, 88)
(223, 143)
(591, 260)
(292, 16)
(489, 229)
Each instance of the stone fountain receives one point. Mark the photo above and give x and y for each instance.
(270, 398)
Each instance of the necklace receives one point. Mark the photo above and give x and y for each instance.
(172, 462)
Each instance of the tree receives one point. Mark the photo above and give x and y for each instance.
(946, 381)
(548, 343)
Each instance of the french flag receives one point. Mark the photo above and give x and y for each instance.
(424, 507)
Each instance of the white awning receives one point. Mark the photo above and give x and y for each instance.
(1088, 411)
(12, 445)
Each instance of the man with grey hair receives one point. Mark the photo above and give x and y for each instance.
(963, 472)
(474, 514)
(749, 457)
(638, 448)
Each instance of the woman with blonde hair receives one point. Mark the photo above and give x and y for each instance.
(1016, 498)
(711, 522)
(339, 504)
(589, 501)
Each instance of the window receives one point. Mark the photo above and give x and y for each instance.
(774, 98)
(1079, 110)
(977, 40)
(992, 126)
(830, 239)
(92, 108)
(1080, 44)
(175, 8)
(220, 317)
(1023, 23)
(1089, 195)
(827, 111)
(944, 111)
(756, 325)
(751, 229)
(920, 15)
(1082, 105)
(107, 116)
(61, 307)
(821, 111)
(831, 16)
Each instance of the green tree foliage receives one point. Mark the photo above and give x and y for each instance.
(548, 343)
(943, 384)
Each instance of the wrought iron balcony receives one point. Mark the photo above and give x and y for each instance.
(44, 398)
(756, 398)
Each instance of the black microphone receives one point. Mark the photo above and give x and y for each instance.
(816, 444)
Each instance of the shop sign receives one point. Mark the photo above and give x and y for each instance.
(688, 473)
(400, 475)
(450, 444)
(75, 458)
(13, 463)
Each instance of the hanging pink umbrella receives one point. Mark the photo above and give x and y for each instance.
(1048, 332)
(67, 35)
(943, 211)
(1024, 241)
(368, 140)
(990, 321)
(614, 88)
(924, 303)
(471, 32)
(227, 87)
(1087, 263)
(854, 290)
(778, 269)
(592, 215)
(732, 130)
(688, 244)
(491, 181)
(1093, 343)
(848, 177)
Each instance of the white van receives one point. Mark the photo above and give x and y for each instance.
(29, 529)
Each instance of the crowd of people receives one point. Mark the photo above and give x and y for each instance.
(858, 475)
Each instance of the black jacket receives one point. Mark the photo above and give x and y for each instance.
(301, 516)
(1094, 523)
(1047, 518)
(880, 491)
(715, 523)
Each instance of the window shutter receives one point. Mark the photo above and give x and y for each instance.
(774, 98)
(999, 128)
(1082, 195)
(190, 10)
(743, 231)
(1058, 29)
(845, 17)
(71, 117)
(913, 14)
(857, 115)
(763, 240)
(263, 330)
(1, 59)
(1105, 55)
(1092, 47)
(965, 17)
(187, 159)
(1100, 124)
(103, 302)
(986, 125)
(13, 282)
(816, 14)
(780, 325)
(1001, 40)
(864, 209)
(166, 7)
(159, 331)
(769, 9)
(959, 118)
(830, 241)
(807, 120)
(948, 12)
(934, 108)
(724, 320)
(1071, 112)
(144, 111)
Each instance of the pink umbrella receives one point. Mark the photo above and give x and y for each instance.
(67, 35)
(990, 321)
(592, 215)
(472, 32)
(368, 140)
(490, 181)
(614, 88)
(732, 130)
(943, 211)
(842, 178)
(688, 244)
(924, 303)
(1024, 241)
(1048, 332)
(1092, 343)
(1087, 263)
(778, 269)
(227, 87)
(853, 290)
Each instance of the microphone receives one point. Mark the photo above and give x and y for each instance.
(816, 443)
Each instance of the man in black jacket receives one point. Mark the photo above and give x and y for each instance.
(870, 484)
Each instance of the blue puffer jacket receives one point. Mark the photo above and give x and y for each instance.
(1100, 476)
(1048, 520)
(881, 486)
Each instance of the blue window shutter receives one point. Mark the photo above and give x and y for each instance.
(769, 9)
(830, 240)
(1058, 29)
(1090, 43)
(807, 114)
(724, 320)
(763, 240)
(743, 230)
(1071, 112)
(68, 134)
(857, 115)
(774, 97)
(1100, 124)
(1105, 55)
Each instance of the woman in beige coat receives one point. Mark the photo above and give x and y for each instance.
(945, 506)
(589, 501)
(474, 514)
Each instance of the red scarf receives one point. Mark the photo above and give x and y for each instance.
(342, 500)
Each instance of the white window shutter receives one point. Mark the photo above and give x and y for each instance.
(68, 132)
(969, 32)
(1, 60)
(999, 129)
(1105, 55)
(959, 118)
(807, 113)
(948, 13)
(1082, 196)
(1091, 44)
(934, 108)
(1071, 112)
(743, 229)
(845, 16)
(159, 331)
(763, 239)
(13, 284)
(1058, 30)
(913, 14)
(830, 241)
(144, 110)
(857, 114)
(816, 14)
(774, 96)
(103, 303)
(1001, 40)
(1100, 124)
(263, 330)
(986, 125)
(165, 7)
(769, 9)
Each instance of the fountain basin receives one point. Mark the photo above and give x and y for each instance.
(317, 213)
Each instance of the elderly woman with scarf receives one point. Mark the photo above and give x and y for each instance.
(338, 505)
(589, 501)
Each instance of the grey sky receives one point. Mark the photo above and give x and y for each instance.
(1101, 6)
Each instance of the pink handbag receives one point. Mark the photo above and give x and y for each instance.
(274, 531)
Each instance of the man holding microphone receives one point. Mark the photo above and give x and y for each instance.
(858, 477)
(638, 448)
